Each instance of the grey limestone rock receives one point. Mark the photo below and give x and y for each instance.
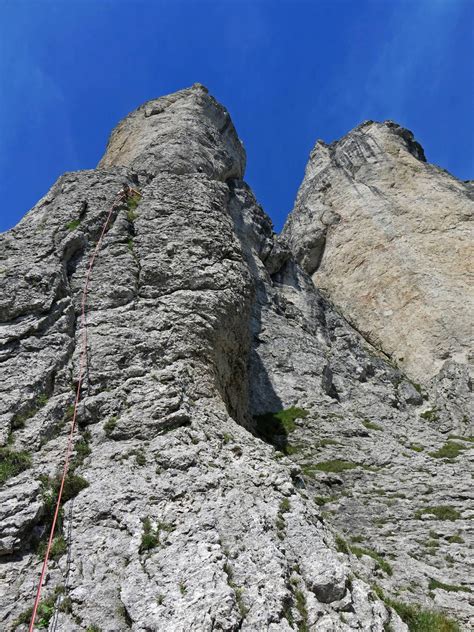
(180, 513)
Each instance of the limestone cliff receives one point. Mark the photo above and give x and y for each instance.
(190, 506)
(389, 238)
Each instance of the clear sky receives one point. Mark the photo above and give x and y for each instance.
(289, 71)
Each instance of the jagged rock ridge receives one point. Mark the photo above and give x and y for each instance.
(200, 318)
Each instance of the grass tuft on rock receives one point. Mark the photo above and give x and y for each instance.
(110, 425)
(73, 224)
(370, 425)
(333, 466)
(434, 584)
(58, 548)
(274, 428)
(12, 463)
(430, 414)
(440, 512)
(417, 619)
(151, 536)
(381, 562)
(450, 450)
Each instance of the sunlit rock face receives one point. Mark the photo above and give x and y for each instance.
(189, 507)
(389, 238)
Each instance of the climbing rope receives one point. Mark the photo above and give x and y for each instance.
(121, 196)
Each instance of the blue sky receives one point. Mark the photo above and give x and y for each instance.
(289, 71)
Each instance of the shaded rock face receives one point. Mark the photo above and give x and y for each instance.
(199, 319)
(389, 238)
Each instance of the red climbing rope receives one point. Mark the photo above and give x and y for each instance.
(121, 195)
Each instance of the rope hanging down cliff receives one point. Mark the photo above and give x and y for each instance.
(124, 194)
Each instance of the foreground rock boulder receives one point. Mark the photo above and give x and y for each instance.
(235, 432)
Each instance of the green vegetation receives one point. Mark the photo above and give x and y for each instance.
(434, 584)
(416, 619)
(324, 442)
(417, 387)
(329, 466)
(20, 418)
(455, 539)
(45, 611)
(297, 601)
(469, 439)
(50, 492)
(58, 548)
(93, 628)
(82, 450)
(130, 244)
(227, 438)
(280, 524)
(151, 537)
(140, 458)
(450, 450)
(73, 224)
(110, 425)
(160, 599)
(441, 512)
(12, 463)
(415, 447)
(274, 428)
(357, 538)
(419, 620)
(238, 591)
(182, 588)
(132, 202)
(430, 414)
(381, 562)
(321, 500)
(300, 600)
(370, 425)
(343, 547)
(239, 598)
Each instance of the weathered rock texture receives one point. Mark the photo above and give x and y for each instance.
(389, 238)
(200, 318)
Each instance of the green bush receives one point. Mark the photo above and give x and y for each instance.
(12, 463)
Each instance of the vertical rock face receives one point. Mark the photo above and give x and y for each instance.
(189, 506)
(389, 238)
